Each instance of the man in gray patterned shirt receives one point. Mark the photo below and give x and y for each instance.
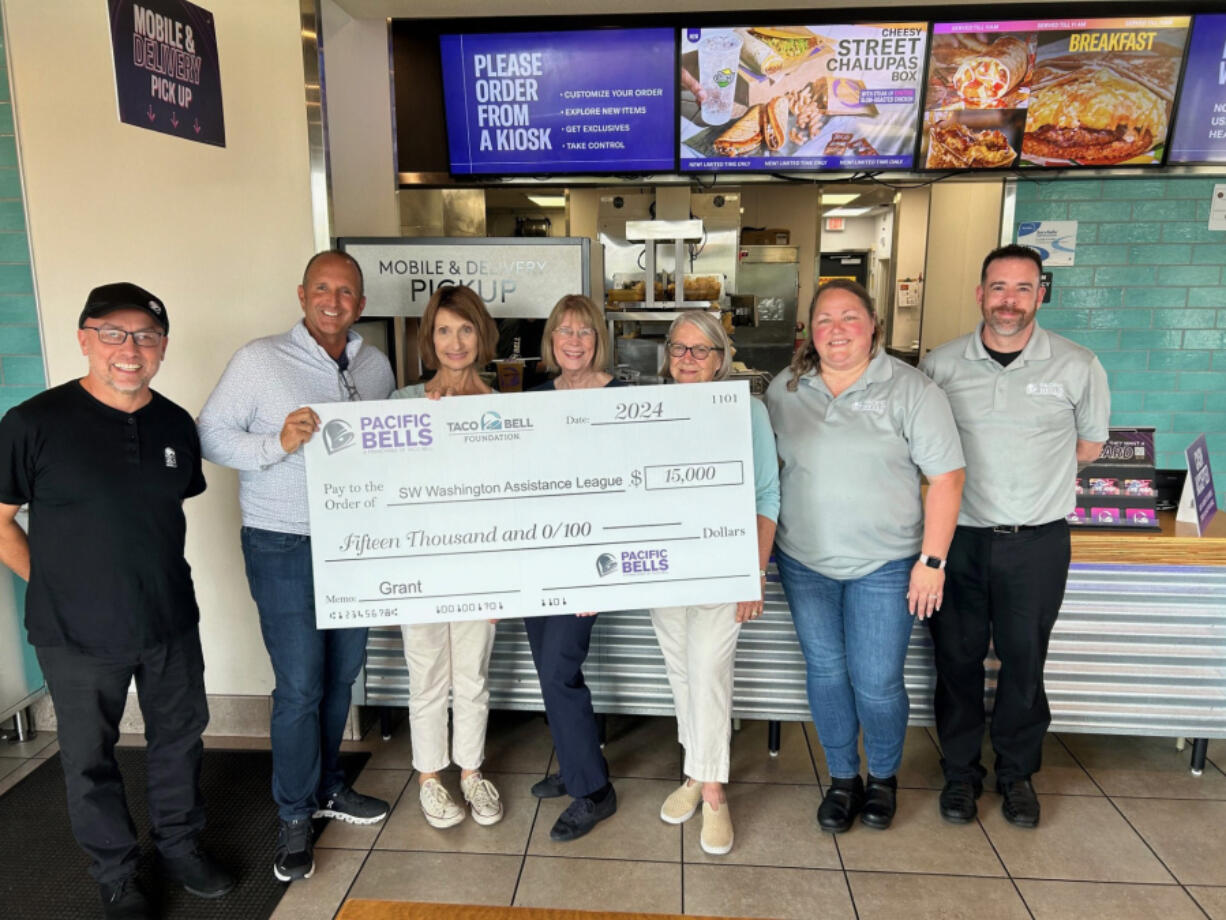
(255, 421)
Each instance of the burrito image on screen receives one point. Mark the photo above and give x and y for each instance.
(990, 75)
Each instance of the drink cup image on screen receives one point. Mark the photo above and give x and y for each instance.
(719, 54)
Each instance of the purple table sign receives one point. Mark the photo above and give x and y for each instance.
(1199, 502)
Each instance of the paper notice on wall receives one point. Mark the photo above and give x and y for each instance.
(1055, 240)
(1217, 208)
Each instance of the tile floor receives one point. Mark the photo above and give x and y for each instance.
(1127, 832)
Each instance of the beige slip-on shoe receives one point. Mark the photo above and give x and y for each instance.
(716, 836)
(681, 803)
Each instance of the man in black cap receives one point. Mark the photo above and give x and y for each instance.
(104, 464)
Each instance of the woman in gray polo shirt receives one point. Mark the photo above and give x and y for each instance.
(859, 553)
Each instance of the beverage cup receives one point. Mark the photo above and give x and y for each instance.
(719, 54)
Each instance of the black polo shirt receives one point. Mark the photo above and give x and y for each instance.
(105, 490)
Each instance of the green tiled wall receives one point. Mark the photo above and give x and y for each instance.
(21, 354)
(1148, 295)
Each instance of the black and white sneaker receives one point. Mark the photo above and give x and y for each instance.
(295, 857)
(349, 805)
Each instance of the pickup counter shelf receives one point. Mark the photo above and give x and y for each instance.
(1139, 648)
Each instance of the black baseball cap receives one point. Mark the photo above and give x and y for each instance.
(123, 295)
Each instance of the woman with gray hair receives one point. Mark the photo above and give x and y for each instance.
(699, 641)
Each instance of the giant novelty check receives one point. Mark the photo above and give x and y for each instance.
(532, 503)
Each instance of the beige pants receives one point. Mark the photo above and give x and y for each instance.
(699, 646)
(446, 657)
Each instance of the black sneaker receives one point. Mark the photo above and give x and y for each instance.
(880, 802)
(295, 857)
(581, 816)
(124, 900)
(551, 787)
(351, 806)
(199, 874)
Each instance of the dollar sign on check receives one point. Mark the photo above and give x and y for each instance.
(636, 478)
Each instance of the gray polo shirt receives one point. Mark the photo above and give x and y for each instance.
(1020, 424)
(850, 481)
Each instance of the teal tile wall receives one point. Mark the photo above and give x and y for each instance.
(1148, 295)
(21, 353)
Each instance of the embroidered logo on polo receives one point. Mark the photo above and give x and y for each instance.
(172, 461)
(1045, 389)
(875, 406)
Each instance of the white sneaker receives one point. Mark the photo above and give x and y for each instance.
(437, 806)
(486, 803)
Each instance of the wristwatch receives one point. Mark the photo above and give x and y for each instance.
(932, 561)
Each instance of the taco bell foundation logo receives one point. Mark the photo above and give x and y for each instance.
(606, 564)
(644, 561)
(337, 436)
(396, 431)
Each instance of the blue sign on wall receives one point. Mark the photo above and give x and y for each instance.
(1200, 123)
(599, 101)
(167, 77)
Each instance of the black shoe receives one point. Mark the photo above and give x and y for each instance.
(295, 857)
(958, 801)
(581, 816)
(124, 900)
(551, 787)
(1021, 805)
(199, 874)
(842, 803)
(880, 802)
(352, 807)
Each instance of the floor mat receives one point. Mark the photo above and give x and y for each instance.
(43, 872)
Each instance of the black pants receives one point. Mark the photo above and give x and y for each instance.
(1006, 587)
(559, 647)
(88, 691)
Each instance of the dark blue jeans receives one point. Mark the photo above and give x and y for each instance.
(854, 635)
(314, 668)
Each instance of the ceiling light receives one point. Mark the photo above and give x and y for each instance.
(838, 198)
(846, 212)
(547, 201)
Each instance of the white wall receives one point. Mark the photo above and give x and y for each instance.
(859, 234)
(358, 80)
(912, 249)
(221, 234)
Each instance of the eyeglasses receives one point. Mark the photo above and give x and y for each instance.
(109, 335)
(584, 333)
(700, 352)
(350, 388)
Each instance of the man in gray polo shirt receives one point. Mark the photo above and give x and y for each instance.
(1031, 407)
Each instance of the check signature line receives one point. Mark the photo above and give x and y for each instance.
(653, 581)
(431, 597)
(642, 421)
(634, 526)
(512, 549)
(501, 498)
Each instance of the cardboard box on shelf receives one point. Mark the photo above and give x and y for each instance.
(772, 236)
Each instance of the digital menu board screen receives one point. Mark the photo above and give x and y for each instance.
(1057, 92)
(593, 101)
(780, 98)
(1200, 122)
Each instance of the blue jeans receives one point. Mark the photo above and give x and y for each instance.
(854, 635)
(314, 668)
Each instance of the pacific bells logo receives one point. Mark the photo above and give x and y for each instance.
(338, 436)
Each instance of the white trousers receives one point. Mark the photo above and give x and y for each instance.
(446, 657)
(699, 646)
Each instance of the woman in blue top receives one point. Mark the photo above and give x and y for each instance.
(575, 347)
(699, 641)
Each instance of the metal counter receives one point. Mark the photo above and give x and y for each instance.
(1136, 650)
